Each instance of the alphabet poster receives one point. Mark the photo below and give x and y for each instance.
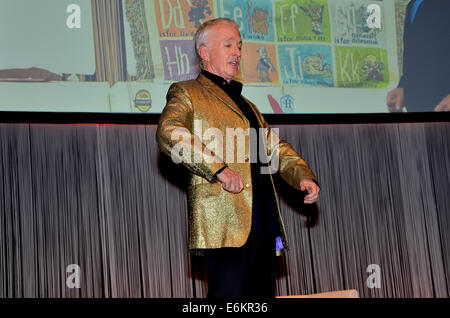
(298, 56)
(288, 43)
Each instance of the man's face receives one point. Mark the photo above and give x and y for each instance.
(222, 52)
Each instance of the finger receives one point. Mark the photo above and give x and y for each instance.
(311, 197)
(391, 97)
(314, 195)
(232, 189)
(238, 188)
(241, 185)
(309, 201)
(439, 108)
(311, 189)
(225, 186)
(392, 107)
(314, 191)
(304, 186)
(236, 185)
(228, 186)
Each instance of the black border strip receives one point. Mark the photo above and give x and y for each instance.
(273, 119)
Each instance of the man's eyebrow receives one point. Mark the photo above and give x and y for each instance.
(232, 39)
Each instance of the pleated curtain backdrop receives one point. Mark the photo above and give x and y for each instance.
(104, 197)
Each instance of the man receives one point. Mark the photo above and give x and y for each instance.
(425, 83)
(234, 213)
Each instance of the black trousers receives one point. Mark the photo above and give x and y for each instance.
(247, 271)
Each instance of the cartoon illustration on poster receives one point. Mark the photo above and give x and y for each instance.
(254, 17)
(260, 63)
(357, 22)
(306, 64)
(302, 20)
(361, 67)
(198, 10)
(179, 60)
(264, 65)
(181, 18)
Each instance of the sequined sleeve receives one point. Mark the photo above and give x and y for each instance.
(175, 138)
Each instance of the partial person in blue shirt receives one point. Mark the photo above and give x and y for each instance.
(425, 83)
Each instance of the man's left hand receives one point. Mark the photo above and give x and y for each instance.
(313, 191)
(444, 105)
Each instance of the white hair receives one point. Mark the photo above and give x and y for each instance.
(202, 33)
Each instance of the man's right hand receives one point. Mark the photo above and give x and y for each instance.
(394, 100)
(231, 181)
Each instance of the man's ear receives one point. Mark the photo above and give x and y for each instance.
(203, 52)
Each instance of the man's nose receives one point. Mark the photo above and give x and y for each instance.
(237, 51)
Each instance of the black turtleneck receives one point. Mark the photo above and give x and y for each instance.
(263, 211)
(233, 90)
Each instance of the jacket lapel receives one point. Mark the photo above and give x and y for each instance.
(256, 111)
(220, 94)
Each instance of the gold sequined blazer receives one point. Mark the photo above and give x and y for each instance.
(218, 218)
